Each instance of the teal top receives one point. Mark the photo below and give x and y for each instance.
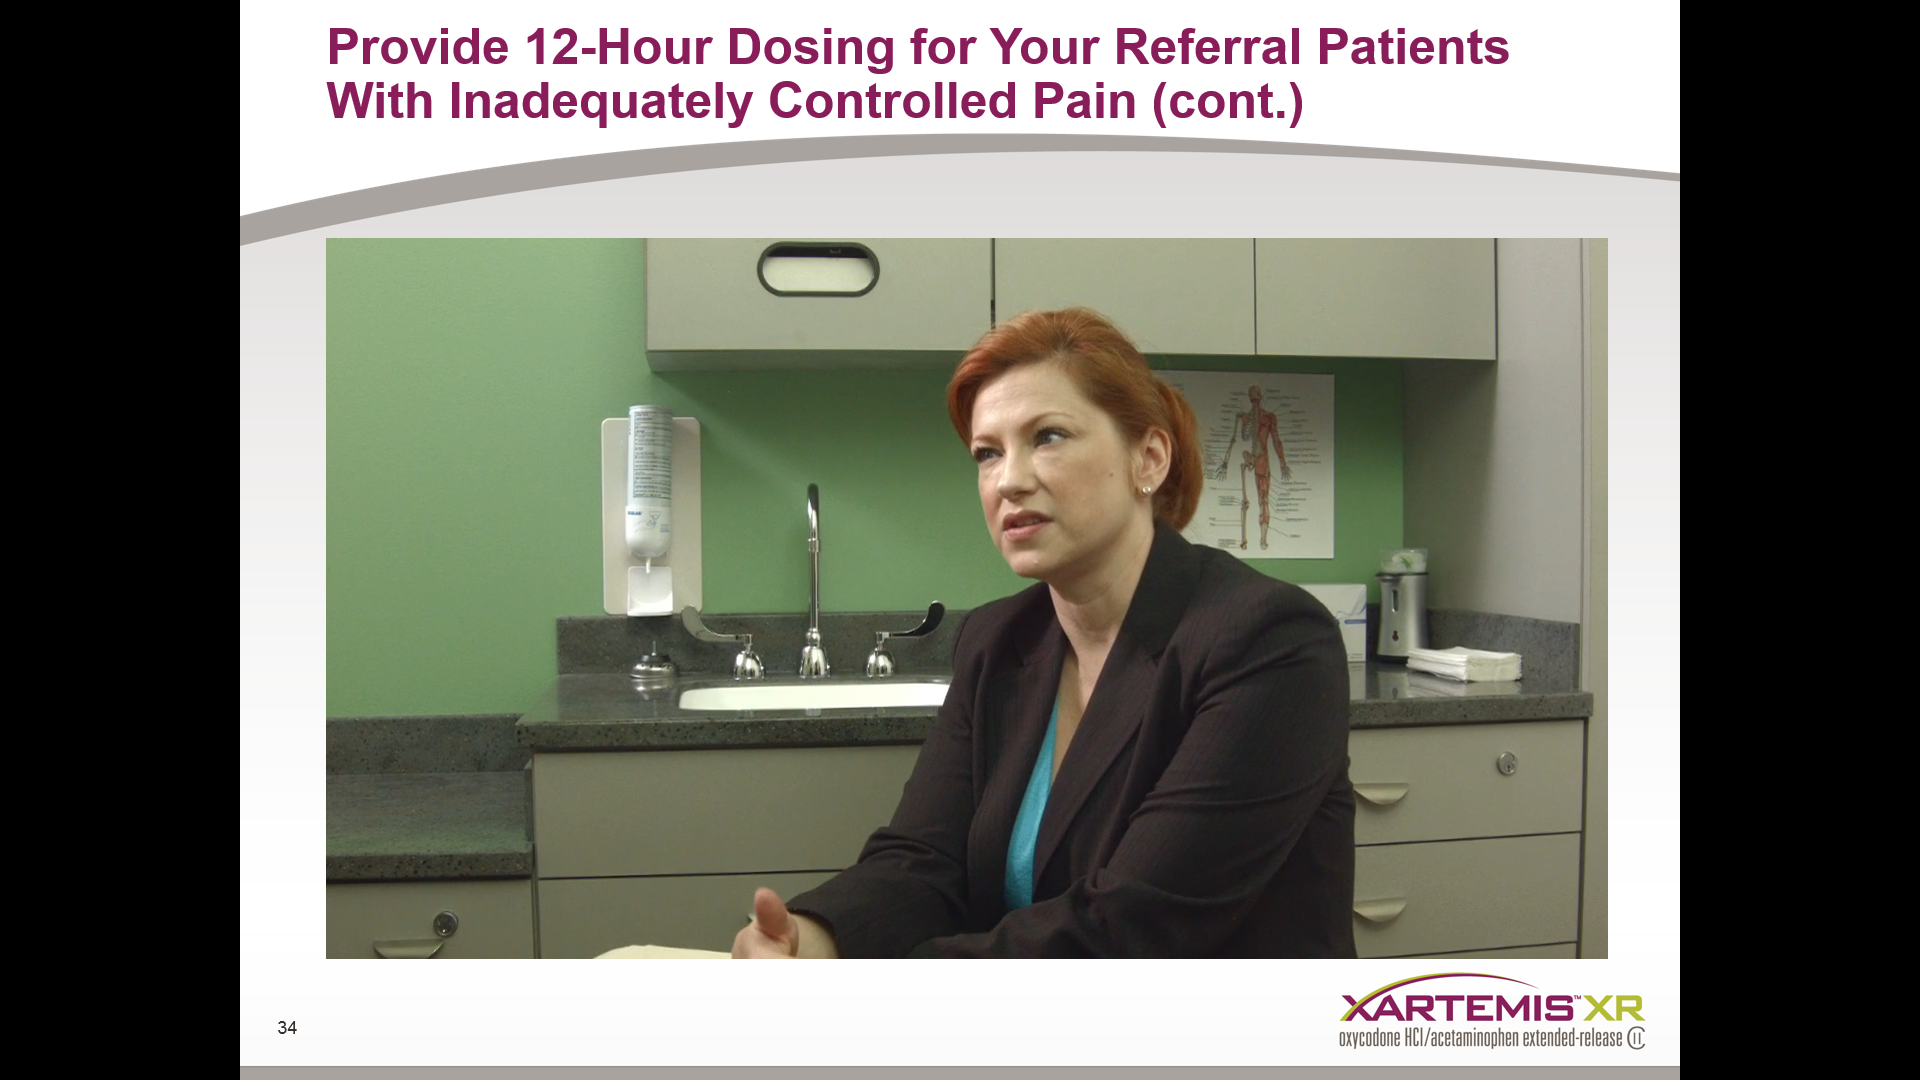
(1026, 825)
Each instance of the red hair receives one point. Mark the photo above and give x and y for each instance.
(1112, 374)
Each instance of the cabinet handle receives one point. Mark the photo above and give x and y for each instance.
(1381, 794)
(789, 269)
(1380, 911)
(408, 948)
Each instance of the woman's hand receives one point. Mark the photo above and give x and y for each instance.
(777, 934)
(772, 935)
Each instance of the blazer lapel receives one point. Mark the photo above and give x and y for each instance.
(1119, 701)
(1020, 700)
(1114, 713)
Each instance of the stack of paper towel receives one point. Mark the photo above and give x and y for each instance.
(1466, 665)
(1422, 685)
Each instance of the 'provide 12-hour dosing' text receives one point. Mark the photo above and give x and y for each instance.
(920, 99)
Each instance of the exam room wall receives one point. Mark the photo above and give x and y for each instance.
(466, 382)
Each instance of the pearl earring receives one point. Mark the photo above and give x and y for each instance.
(1146, 491)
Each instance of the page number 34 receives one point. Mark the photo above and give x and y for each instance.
(287, 1028)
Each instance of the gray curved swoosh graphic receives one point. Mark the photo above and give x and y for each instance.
(560, 172)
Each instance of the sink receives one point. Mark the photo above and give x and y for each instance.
(832, 694)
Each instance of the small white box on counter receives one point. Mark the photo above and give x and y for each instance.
(1349, 606)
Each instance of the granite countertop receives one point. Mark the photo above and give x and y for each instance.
(421, 797)
(593, 705)
(411, 826)
(608, 712)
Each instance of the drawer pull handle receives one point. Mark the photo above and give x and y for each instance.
(1381, 911)
(1381, 794)
(408, 948)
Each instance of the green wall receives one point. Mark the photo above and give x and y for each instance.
(466, 382)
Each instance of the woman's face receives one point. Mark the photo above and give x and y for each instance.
(1058, 482)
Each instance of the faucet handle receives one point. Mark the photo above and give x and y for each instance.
(690, 618)
(880, 661)
(936, 611)
(746, 665)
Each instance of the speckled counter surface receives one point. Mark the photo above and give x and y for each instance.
(607, 712)
(1392, 696)
(415, 826)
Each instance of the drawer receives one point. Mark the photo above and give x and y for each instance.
(1566, 950)
(1466, 894)
(584, 917)
(495, 919)
(1444, 783)
(712, 811)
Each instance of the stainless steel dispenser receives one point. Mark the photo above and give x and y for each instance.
(1403, 603)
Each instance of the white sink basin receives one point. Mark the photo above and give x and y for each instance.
(833, 694)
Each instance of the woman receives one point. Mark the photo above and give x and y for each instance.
(1143, 755)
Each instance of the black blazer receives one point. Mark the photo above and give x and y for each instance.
(1201, 810)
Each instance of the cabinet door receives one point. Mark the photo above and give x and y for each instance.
(584, 917)
(1414, 899)
(1169, 296)
(708, 296)
(396, 920)
(1443, 783)
(712, 811)
(1429, 298)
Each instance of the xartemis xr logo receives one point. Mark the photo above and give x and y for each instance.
(1430, 998)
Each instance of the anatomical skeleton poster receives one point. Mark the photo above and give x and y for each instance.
(1266, 445)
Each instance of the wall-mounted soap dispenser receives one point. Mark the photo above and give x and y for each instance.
(650, 508)
(650, 512)
(1403, 603)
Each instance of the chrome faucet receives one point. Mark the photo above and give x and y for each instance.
(813, 659)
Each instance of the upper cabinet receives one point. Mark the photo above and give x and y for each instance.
(783, 302)
(1169, 296)
(1427, 298)
(719, 304)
